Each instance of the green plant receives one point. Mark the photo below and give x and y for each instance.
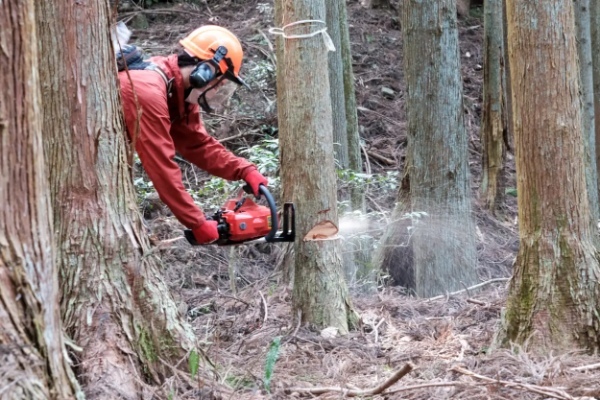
(272, 356)
(265, 155)
(194, 363)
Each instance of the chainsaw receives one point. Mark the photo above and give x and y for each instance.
(241, 220)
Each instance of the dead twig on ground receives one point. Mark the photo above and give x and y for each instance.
(479, 285)
(239, 135)
(167, 11)
(586, 367)
(478, 302)
(381, 158)
(264, 302)
(353, 393)
(385, 118)
(425, 386)
(544, 391)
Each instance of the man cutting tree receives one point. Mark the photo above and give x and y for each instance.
(162, 97)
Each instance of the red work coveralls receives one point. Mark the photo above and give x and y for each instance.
(169, 124)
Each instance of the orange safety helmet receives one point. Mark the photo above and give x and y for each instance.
(204, 42)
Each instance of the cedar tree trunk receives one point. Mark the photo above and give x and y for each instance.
(492, 126)
(555, 292)
(584, 51)
(444, 237)
(308, 172)
(33, 364)
(115, 303)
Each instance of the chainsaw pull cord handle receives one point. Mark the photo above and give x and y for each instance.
(274, 222)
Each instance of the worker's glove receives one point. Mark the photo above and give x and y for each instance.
(205, 233)
(254, 179)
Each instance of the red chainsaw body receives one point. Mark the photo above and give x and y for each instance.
(250, 221)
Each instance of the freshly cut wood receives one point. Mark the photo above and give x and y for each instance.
(324, 230)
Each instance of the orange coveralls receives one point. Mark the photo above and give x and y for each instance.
(168, 124)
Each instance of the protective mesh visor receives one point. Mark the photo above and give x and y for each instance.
(217, 97)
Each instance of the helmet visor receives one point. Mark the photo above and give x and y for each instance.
(216, 98)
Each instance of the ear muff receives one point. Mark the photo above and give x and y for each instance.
(206, 71)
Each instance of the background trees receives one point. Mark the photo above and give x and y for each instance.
(435, 186)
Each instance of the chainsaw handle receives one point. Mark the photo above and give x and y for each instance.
(274, 222)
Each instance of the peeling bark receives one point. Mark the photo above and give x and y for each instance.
(115, 304)
(33, 364)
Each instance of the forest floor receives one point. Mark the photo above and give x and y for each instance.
(244, 327)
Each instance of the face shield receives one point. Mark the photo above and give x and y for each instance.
(216, 97)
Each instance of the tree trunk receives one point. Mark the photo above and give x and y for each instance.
(352, 134)
(509, 132)
(492, 127)
(287, 259)
(444, 237)
(336, 85)
(584, 51)
(595, 35)
(554, 293)
(308, 172)
(394, 254)
(116, 305)
(33, 364)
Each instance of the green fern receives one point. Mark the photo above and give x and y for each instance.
(194, 363)
(272, 356)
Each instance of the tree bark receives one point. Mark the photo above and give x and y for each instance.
(308, 172)
(33, 364)
(595, 39)
(492, 127)
(287, 259)
(444, 237)
(352, 134)
(336, 85)
(116, 305)
(554, 293)
(584, 51)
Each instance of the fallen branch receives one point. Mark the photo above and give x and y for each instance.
(479, 285)
(352, 393)
(586, 367)
(425, 386)
(381, 158)
(544, 391)
(166, 11)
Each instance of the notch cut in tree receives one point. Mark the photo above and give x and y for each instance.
(324, 230)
